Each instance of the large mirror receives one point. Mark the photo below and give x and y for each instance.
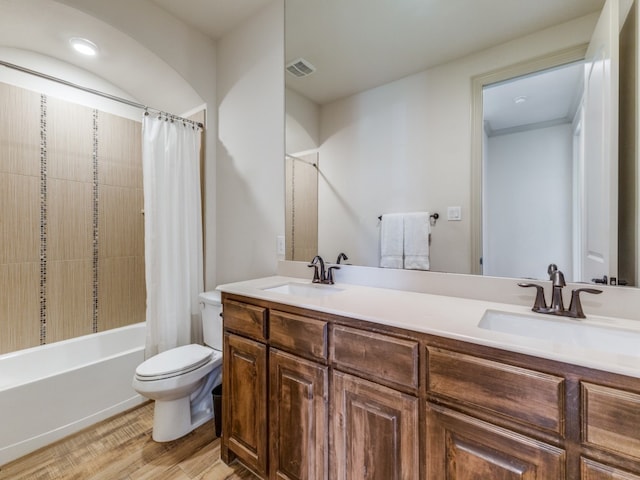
(382, 96)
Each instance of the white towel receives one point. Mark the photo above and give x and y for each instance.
(391, 241)
(416, 241)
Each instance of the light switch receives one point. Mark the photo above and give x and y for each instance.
(454, 213)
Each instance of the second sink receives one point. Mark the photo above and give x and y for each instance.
(621, 338)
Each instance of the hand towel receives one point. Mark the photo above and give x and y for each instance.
(391, 241)
(416, 241)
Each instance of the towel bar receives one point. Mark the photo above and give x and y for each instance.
(433, 216)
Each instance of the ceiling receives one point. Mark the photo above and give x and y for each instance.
(214, 18)
(533, 100)
(360, 44)
(35, 34)
(354, 44)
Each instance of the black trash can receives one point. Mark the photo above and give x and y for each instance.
(217, 409)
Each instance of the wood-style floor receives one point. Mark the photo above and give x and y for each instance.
(121, 448)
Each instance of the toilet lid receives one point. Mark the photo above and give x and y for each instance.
(187, 357)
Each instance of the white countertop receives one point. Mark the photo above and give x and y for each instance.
(449, 317)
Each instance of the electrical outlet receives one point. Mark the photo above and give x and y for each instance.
(280, 249)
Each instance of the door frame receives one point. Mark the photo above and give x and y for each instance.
(478, 82)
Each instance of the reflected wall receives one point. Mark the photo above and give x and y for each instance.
(406, 146)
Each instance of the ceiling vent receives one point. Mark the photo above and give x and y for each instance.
(300, 68)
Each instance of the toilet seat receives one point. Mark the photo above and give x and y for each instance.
(174, 362)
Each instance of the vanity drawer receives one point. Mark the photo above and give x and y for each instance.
(611, 419)
(297, 334)
(246, 319)
(391, 361)
(500, 388)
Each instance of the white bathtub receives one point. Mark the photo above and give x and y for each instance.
(51, 391)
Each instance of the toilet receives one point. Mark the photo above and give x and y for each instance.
(180, 380)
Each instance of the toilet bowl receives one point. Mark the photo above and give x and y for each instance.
(181, 380)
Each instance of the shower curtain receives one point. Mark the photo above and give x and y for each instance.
(173, 230)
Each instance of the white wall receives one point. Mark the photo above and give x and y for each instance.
(53, 67)
(193, 56)
(250, 170)
(527, 175)
(302, 123)
(406, 146)
(240, 231)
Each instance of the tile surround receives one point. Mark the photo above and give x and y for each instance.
(72, 233)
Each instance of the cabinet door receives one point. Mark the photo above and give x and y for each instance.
(463, 448)
(591, 470)
(298, 418)
(244, 411)
(375, 431)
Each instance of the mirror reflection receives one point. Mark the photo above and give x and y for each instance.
(530, 127)
(386, 115)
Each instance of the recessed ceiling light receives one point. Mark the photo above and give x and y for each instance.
(520, 99)
(84, 46)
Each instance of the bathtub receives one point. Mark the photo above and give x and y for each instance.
(51, 391)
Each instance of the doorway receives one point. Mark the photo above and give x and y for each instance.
(528, 172)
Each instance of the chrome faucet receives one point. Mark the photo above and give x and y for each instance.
(320, 275)
(557, 305)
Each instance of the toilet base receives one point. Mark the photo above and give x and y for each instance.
(173, 419)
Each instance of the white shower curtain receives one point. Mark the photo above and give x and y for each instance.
(173, 230)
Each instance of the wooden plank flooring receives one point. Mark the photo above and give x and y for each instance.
(121, 448)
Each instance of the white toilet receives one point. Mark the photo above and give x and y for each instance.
(180, 380)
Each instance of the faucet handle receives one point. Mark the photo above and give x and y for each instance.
(575, 308)
(540, 303)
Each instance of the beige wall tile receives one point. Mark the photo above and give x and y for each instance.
(301, 207)
(19, 306)
(19, 218)
(69, 141)
(121, 292)
(19, 131)
(121, 223)
(119, 151)
(69, 208)
(69, 299)
(70, 220)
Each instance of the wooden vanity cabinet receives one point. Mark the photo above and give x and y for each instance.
(298, 397)
(464, 439)
(592, 470)
(610, 430)
(244, 386)
(463, 447)
(275, 391)
(375, 431)
(308, 395)
(375, 424)
(298, 415)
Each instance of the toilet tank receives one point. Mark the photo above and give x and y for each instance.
(211, 308)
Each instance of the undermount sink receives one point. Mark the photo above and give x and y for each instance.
(304, 289)
(623, 337)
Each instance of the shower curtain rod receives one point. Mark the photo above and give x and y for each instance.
(131, 103)
(292, 157)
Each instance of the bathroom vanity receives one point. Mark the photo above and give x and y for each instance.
(374, 383)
